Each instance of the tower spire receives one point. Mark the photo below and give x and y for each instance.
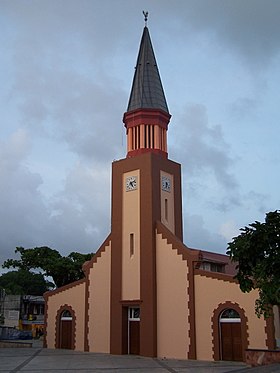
(147, 115)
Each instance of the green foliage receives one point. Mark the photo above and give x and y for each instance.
(24, 282)
(62, 269)
(257, 252)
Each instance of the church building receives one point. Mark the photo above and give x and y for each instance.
(145, 292)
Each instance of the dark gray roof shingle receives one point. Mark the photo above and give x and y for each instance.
(147, 91)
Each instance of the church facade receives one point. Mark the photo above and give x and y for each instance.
(144, 291)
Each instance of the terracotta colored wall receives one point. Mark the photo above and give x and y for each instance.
(263, 357)
(170, 221)
(209, 293)
(172, 298)
(74, 296)
(131, 225)
(99, 303)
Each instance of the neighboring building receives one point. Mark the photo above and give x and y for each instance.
(144, 291)
(32, 314)
(10, 309)
(23, 312)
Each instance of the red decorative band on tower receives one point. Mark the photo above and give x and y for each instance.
(146, 131)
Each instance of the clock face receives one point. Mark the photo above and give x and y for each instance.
(131, 183)
(166, 183)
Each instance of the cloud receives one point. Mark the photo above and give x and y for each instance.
(74, 219)
(65, 80)
(69, 107)
(22, 212)
(248, 28)
(243, 107)
(258, 201)
(80, 212)
(229, 230)
(65, 102)
(203, 146)
(13, 150)
(200, 237)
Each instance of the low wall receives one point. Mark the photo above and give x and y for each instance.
(15, 344)
(261, 357)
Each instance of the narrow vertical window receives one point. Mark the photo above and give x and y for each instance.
(133, 138)
(166, 209)
(131, 244)
(145, 136)
(139, 136)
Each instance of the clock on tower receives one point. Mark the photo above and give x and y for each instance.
(131, 183)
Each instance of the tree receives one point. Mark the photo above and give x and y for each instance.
(63, 269)
(257, 252)
(24, 282)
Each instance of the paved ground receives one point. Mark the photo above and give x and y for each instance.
(39, 360)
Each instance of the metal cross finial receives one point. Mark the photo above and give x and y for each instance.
(145, 17)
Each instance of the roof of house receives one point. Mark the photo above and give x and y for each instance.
(230, 267)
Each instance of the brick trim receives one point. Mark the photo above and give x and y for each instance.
(215, 275)
(191, 257)
(270, 333)
(177, 244)
(45, 343)
(216, 344)
(86, 268)
(62, 288)
(57, 326)
(86, 325)
(89, 264)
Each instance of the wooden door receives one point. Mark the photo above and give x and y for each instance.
(66, 334)
(134, 337)
(231, 341)
(236, 342)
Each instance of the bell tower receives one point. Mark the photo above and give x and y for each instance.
(146, 188)
(147, 116)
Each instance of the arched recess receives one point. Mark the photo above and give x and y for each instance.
(65, 328)
(216, 328)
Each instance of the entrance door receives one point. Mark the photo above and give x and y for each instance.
(134, 337)
(66, 330)
(134, 330)
(231, 339)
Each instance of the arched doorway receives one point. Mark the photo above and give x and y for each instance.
(66, 330)
(230, 335)
(218, 319)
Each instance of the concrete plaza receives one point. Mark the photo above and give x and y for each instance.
(38, 360)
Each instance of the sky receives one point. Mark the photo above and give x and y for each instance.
(66, 70)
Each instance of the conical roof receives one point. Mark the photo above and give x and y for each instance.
(147, 91)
